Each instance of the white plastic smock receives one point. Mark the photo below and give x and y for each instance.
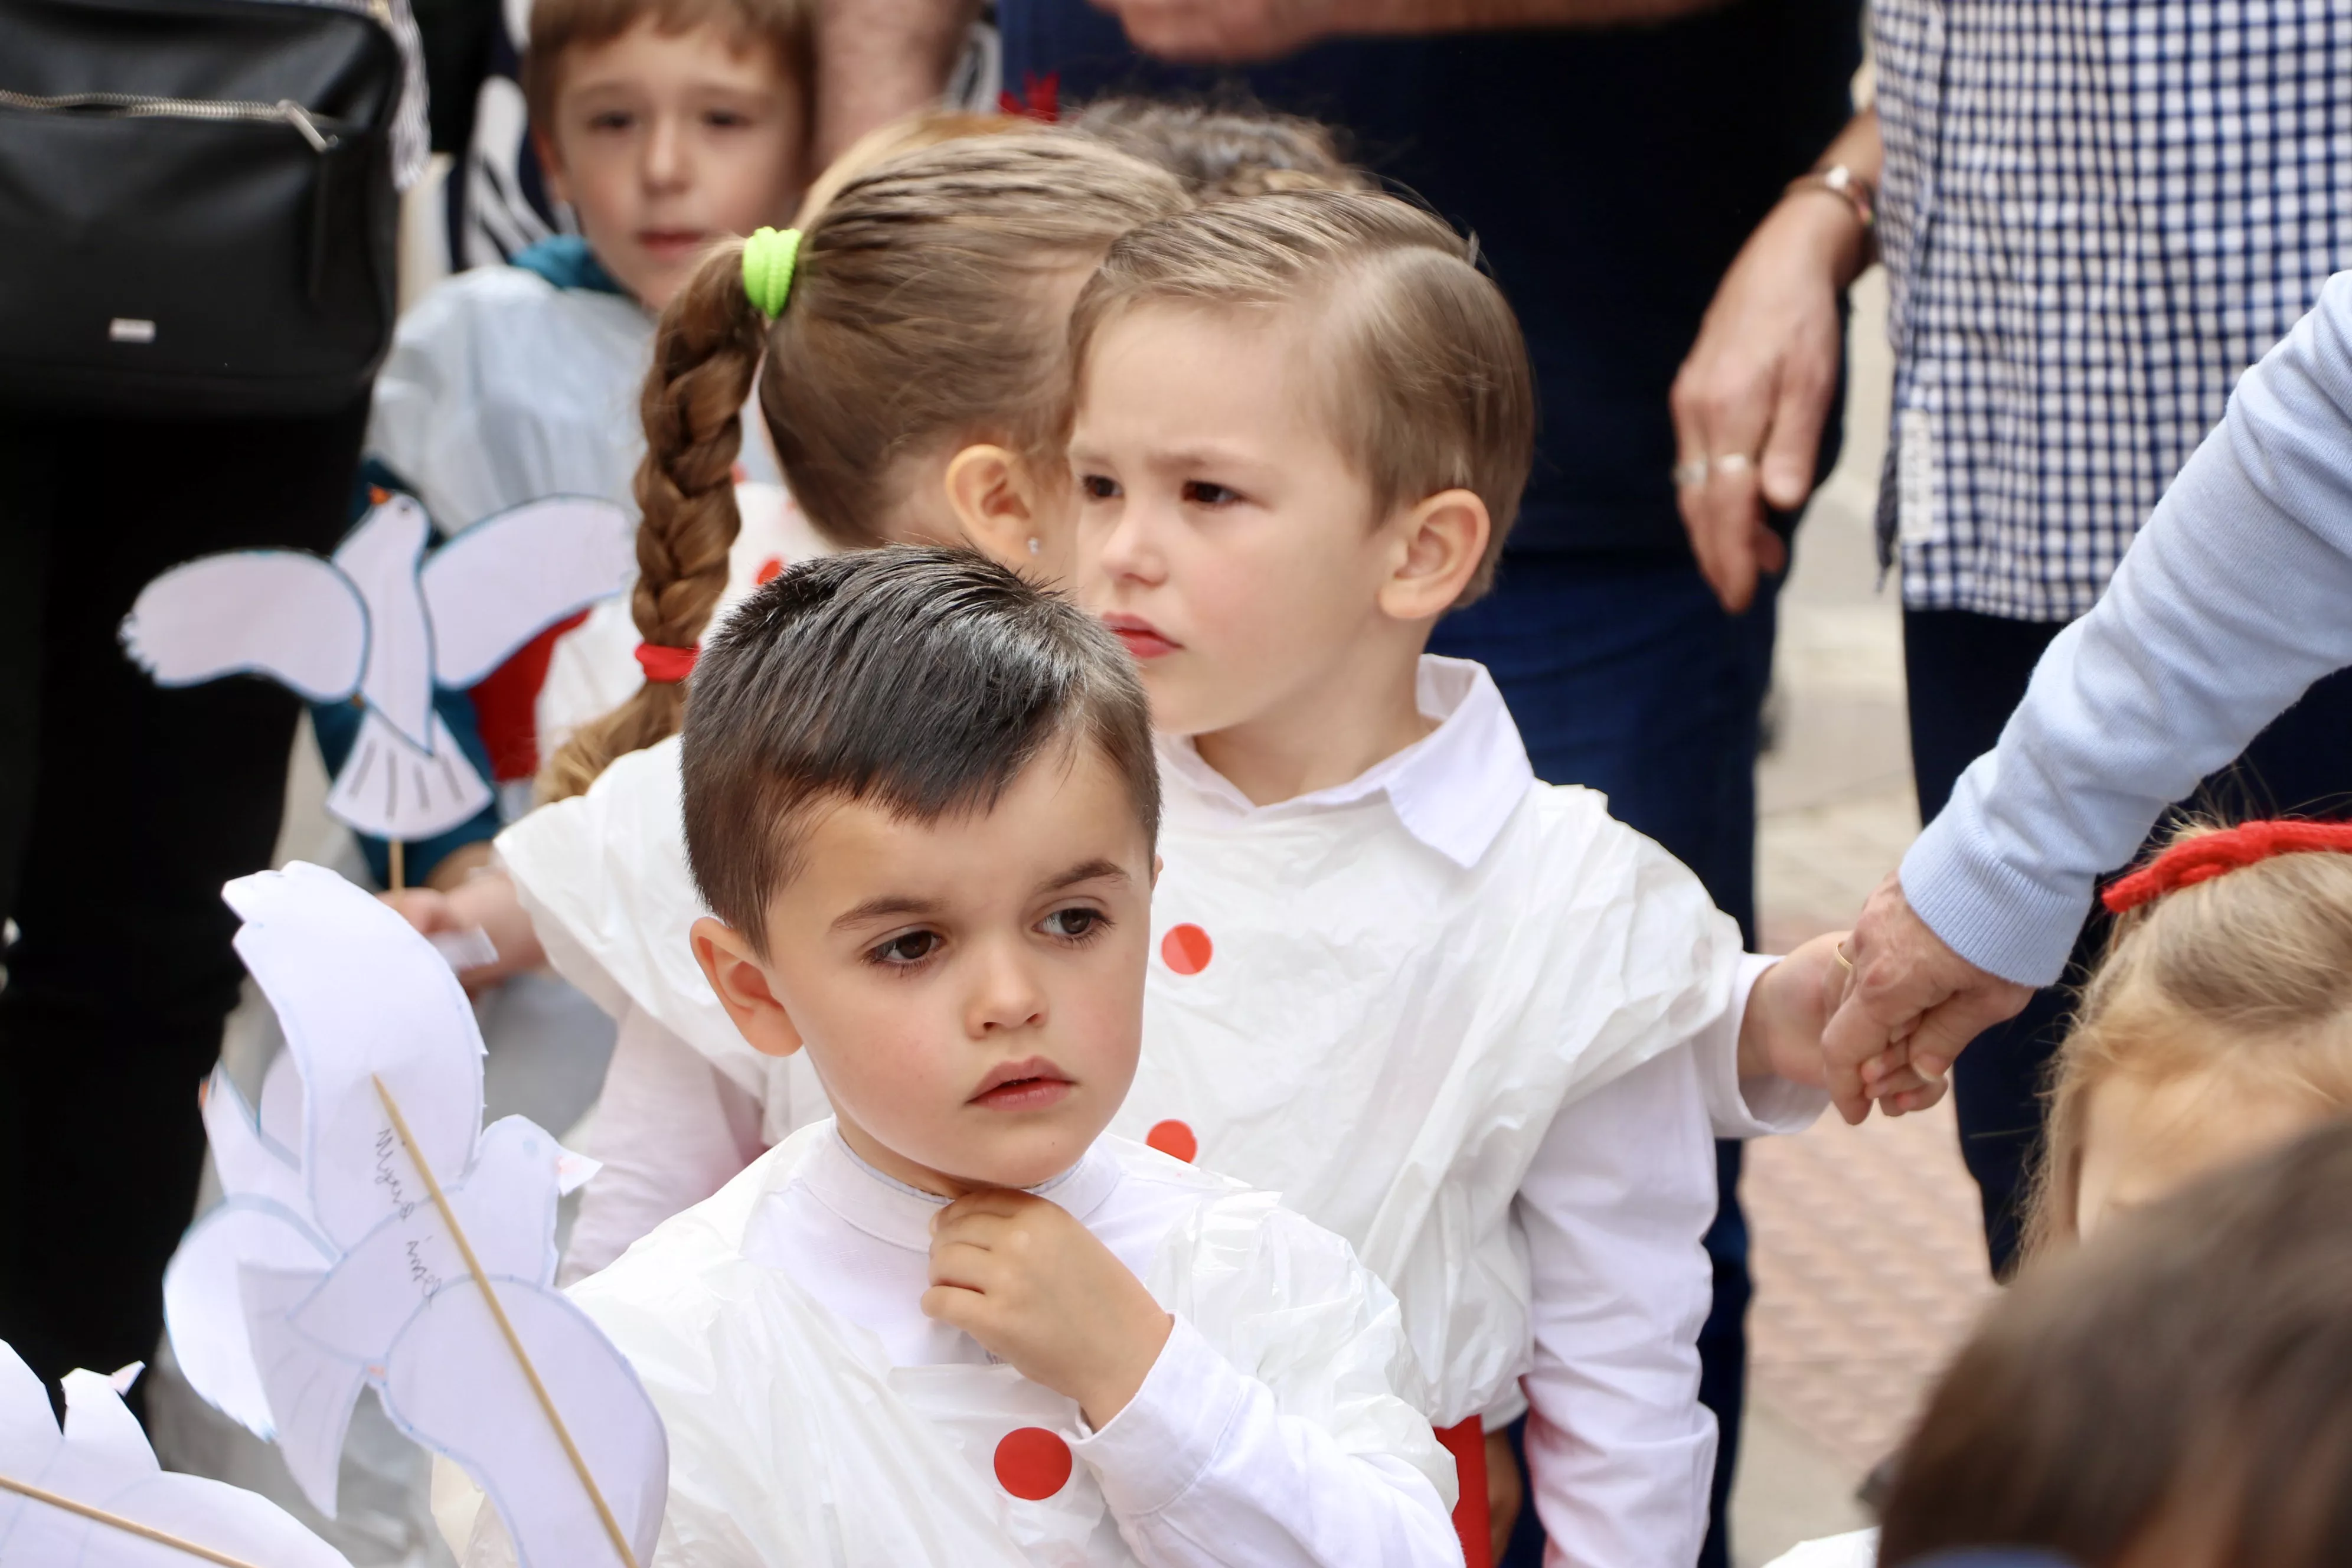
(1379, 1032)
(502, 388)
(795, 1441)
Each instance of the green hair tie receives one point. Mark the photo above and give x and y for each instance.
(768, 259)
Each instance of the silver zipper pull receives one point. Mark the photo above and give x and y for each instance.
(299, 118)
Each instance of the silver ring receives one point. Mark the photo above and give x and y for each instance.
(1732, 463)
(1692, 472)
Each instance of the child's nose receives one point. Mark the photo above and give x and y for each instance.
(1008, 994)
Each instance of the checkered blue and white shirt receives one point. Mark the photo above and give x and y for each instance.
(2095, 214)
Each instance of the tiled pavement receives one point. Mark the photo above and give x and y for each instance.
(1869, 1260)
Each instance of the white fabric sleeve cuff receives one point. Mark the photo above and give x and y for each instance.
(1748, 1107)
(1154, 1449)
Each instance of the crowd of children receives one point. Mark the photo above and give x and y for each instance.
(1119, 1060)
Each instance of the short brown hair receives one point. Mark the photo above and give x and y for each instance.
(1223, 151)
(2184, 1376)
(923, 680)
(2248, 976)
(919, 313)
(1425, 374)
(787, 27)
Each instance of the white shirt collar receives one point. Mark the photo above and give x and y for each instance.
(1452, 789)
(889, 1210)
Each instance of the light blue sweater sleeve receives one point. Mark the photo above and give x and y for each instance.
(2234, 598)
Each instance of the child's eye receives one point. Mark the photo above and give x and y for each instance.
(1099, 487)
(727, 119)
(1204, 492)
(906, 949)
(1076, 924)
(611, 120)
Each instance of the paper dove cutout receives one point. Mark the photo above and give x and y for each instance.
(374, 622)
(329, 1265)
(101, 1461)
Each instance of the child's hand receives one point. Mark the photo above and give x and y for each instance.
(485, 900)
(1780, 1033)
(1035, 1287)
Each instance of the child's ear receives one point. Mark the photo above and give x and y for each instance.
(550, 165)
(1439, 544)
(989, 489)
(733, 968)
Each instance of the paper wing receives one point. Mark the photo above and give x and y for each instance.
(361, 995)
(503, 581)
(103, 1460)
(453, 1385)
(311, 1389)
(278, 613)
(251, 1163)
(391, 788)
(203, 1305)
(379, 558)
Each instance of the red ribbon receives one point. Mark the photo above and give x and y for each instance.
(1040, 98)
(666, 665)
(2209, 854)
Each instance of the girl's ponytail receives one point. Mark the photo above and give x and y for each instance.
(706, 353)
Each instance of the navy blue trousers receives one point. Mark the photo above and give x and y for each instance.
(1624, 674)
(1966, 673)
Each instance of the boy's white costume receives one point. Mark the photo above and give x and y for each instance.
(817, 1418)
(1435, 1008)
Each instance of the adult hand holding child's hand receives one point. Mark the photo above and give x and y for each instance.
(1782, 1033)
(1017, 1273)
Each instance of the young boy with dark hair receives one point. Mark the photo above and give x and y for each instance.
(956, 1324)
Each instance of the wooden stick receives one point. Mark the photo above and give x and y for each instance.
(128, 1526)
(498, 1312)
(399, 866)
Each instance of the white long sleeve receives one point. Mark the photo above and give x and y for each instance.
(1204, 1470)
(1752, 1107)
(670, 1130)
(1614, 1212)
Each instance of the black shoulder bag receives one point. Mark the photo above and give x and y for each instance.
(197, 205)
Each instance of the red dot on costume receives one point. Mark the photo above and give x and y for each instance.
(1173, 1138)
(1032, 1463)
(770, 570)
(1187, 949)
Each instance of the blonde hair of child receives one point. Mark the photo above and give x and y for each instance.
(1424, 376)
(786, 26)
(2246, 976)
(920, 313)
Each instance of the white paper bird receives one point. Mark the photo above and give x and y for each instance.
(375, 624)
(333, 1263)
(93, 1495)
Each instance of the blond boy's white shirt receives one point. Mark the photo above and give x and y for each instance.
(1530, 1117)
(816, 1418)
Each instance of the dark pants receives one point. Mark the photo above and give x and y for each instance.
(1624, 674)
(1966, 673)
(123, 807)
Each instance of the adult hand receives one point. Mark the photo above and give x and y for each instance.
(1911, 1007)
(1750, 400)
(1223, 30)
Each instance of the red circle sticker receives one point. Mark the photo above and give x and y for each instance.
(1032, 1463)
(1173, 1138)
(1187, 949)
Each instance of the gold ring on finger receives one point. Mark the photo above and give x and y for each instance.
(1844, 961)
(1731, 463)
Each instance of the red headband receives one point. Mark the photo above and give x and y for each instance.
(665, 665)
(2206, 855)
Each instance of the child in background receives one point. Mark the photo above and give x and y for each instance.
(2177, 1392)
(956, 1324)
(2219, 1024)
(663, 124)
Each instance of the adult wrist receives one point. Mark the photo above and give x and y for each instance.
(1845, 207)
